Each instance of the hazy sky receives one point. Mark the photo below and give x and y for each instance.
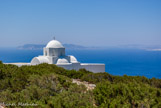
(82, 22)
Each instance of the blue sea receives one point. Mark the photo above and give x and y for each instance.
(132, 62)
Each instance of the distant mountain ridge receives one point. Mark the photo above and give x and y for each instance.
(73, 46)
(39, 46)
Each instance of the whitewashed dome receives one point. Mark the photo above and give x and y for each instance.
(73, 59)
(54, 44)
(39, 60)
(62, 61)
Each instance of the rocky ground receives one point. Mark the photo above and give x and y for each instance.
(87, 84)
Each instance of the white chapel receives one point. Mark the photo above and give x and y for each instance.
(54, 53)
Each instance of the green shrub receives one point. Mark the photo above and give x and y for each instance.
(51, 86)
(127, 94)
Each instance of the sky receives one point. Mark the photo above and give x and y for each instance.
(81, 22)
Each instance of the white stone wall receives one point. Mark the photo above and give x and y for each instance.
(76, 66)
(93, 67)
(90, 67)
(19, 65)
(70, 66)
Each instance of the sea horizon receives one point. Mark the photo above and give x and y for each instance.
(118, 61)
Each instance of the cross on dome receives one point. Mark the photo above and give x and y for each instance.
(54, 44)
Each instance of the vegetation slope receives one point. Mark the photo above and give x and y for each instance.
(49, 86)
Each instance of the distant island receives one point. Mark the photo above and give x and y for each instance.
(73, 46)
(40, 46)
